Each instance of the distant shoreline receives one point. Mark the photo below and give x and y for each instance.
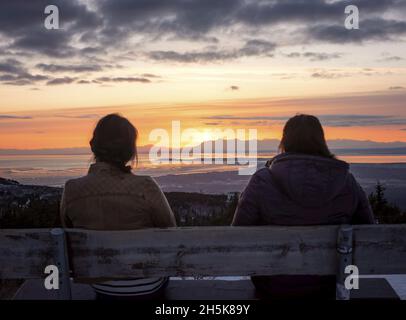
(261, 153)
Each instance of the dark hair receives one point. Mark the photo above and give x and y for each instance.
(304, 134)
(114, 141)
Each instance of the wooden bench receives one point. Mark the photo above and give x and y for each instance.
(203, 251)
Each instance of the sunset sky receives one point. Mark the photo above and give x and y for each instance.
(210, 64)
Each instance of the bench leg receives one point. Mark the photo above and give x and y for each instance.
(344, 255)
(62, 262)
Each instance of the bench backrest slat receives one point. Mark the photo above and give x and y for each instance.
(204, 251)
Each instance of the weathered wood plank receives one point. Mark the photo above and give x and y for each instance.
(380, 249)
(211, 251)
(25, 253)
(205, 251)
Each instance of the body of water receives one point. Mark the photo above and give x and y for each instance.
(46, 169)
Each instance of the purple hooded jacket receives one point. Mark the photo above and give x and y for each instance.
(298, 189)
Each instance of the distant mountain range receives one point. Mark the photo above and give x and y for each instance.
(339, 146)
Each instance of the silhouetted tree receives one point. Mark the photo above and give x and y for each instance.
(384, 211)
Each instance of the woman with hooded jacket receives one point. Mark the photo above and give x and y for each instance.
(303, 185)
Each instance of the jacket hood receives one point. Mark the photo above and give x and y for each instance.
(310, 181)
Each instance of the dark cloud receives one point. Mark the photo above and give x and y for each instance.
(234, 88)
(253, 47)
(370, 29)
(84, 82)
(293, 55)
(122, 79)
(18, 15)
(314, 56)
(13, 72)
(184, 19)
(196, 19)
(6, 116)
(69, 68)
(326, 74)
(21, 79)
(92, 50)
(392, 58)
(150, 75)
(102, 80)
(397, 88)
(59, 81)
(350, 120)
(11, 66)
(191, 57)
(80, 116)
(272, 12)
(320, 56)
(23, 22)
(96, 28)
(53, 43)
(329, 75)
(324, 20)
(15, 81)
(258, 123)
(23, 76)
(339, 120)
